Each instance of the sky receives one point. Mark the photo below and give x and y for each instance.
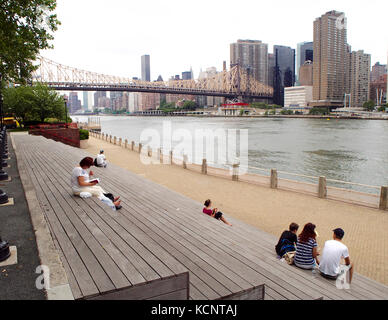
(111, 36)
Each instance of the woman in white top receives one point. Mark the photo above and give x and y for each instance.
(80, 182)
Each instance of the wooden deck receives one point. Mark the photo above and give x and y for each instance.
(160, 240)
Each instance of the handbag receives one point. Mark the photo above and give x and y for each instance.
(289, 257)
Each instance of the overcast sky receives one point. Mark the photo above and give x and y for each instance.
(110, 36)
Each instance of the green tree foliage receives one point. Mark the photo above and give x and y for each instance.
(35, 103)
(189, 105)
(47, 103)
(18, 103)
(26, 26)
(319, 111)
(369, 105)
(286, 112)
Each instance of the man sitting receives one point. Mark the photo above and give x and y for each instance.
(101, 160)
(287, 240)
(333, 251)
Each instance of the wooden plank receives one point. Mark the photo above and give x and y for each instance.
(255, 293)
(110, 247)
(173, 285)
(83, 278)
(73, 214)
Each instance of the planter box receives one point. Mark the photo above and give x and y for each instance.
(84, 144)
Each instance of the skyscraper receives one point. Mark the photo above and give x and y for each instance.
(306, 74)
(252, 55)
(97, 95)
(186, 75)
(360, 77)
(85, 100)
(284, 71)
(331, 60)
(145, 68)
(378, 70)
(304, 52)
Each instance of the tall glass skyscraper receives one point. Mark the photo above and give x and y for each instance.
(145, 68)
(284, 72)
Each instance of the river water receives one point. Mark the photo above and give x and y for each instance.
(347, 150)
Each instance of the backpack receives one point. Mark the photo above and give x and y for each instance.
(286, 246)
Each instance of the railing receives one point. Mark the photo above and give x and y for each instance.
(272, 179)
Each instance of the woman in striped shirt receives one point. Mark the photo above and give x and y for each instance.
(306, 255)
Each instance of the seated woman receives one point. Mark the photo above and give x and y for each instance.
(214, 212)
(306, 255)
(80, 182)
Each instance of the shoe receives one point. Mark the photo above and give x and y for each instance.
(118, 207)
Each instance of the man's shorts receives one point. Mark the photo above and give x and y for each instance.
(343, 268)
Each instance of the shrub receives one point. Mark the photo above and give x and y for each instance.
(83, 134)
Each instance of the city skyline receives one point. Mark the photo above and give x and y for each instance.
(203, 44)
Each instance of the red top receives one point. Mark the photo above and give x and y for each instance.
(207, 211)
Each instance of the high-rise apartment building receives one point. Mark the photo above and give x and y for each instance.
(145, 68)
(252, 55)
(359, 77)
(331, 60)
(97, 95)
(306, 74)
(304, 52)
(73, 104)
(378, 70)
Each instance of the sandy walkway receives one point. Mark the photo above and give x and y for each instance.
(366, 230)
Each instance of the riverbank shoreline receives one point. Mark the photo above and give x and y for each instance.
(331, 117)
(271, 210)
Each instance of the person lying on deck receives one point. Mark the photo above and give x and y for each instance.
(333, 251)
(82, 185)
(100, 160)
(214, 212)
(287, 241)
(306, 255)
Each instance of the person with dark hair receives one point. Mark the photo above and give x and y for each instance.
(306, 255)
(333, 251)
(287, 240)
(82, 186)
(214, 212)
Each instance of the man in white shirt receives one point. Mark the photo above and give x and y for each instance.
(334, 250)
(101, 160)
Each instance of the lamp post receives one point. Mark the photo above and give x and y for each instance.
(1, 101)
(65, 99)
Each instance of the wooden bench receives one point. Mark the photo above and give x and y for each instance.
(160, 234)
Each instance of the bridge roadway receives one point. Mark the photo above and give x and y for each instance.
(160, 245)
(69, 86)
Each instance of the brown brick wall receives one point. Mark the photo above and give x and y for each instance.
(68, 136)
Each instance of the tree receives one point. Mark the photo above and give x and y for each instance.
(33, 103)
(369, 105)
(47, 103)
(189, 105)
(18, 103)
(25, 28)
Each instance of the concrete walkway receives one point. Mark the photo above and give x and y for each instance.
(272, 210)
(17, 282)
